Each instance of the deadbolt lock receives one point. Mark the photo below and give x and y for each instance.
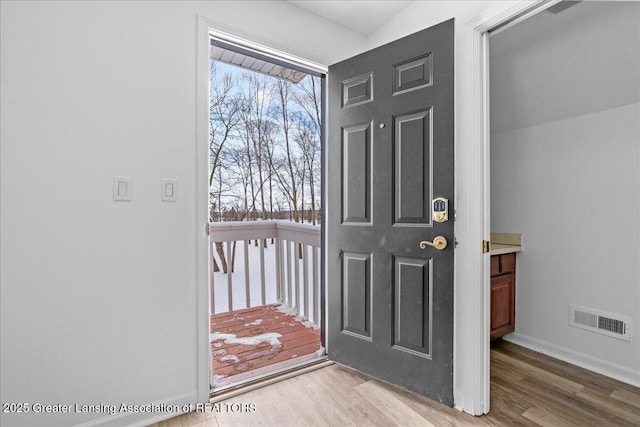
(439, 243)
(440, 209)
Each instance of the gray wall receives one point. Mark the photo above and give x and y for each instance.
(561, 145)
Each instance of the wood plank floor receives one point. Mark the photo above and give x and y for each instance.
(527, 389)
(257, 337)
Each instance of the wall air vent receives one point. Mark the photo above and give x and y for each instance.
(613, 325)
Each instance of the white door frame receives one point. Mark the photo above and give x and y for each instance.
(471, 334)
(203, 346)
(471, 319)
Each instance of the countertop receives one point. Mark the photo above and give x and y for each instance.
(500, 249)
(505, 243)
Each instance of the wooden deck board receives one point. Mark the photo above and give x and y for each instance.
(229, 359)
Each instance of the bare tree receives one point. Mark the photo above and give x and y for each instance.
(309, 100)
(309, 147)
(225, 107)
(269, 157)
(259, 126)
(286, 169)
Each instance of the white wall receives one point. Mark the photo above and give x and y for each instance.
(556, 66)
(569, 153)
(588, 252)
(98, 297)
(422, 14)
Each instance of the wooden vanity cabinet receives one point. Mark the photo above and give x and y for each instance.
(503, 294)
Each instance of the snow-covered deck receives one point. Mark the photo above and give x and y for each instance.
(266, 310)
(249, 341)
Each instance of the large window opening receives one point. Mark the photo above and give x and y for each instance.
(265, 214)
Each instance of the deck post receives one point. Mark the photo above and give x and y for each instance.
(212, 289)
(296, 267)
(279, 270)
(247, 283)
(229, 278)
(316, 291)
(263, 286)
(289, 290)
(305, 278)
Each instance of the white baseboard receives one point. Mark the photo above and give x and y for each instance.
(181, 403)
(600, 366)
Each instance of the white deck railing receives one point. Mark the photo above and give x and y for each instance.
(287, 271)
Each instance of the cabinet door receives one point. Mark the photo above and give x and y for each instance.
(502, 305)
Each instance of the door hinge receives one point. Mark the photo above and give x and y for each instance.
(486, 246)
(206, 229)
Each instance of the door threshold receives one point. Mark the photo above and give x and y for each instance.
(248, 381)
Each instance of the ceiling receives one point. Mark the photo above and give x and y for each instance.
(363, 17)
(551, 67)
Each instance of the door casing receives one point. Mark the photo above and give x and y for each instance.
(471, 331)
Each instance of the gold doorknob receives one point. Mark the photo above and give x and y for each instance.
(439, 243)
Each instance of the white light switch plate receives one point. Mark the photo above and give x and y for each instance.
(169, 190)
(122, 188)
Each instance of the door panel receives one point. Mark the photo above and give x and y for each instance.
(356, 295)
(413, 74)
(412, 163)
(356, 172)
(412, 305)
(390, 152)
(357, 90)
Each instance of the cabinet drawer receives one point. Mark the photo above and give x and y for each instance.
(495, 265)
(507, 263)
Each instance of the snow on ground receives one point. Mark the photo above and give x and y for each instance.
(220, 284)
(287, 310)
(270, 337)
(307, 323)
(230, 358)
(298, 317)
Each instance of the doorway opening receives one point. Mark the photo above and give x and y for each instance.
(265, 215)
(561, 143)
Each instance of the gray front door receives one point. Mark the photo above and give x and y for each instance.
(390, 153)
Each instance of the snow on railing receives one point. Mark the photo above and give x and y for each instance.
(287, 268)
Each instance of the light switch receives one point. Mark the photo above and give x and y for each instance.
(122, 188)
(169, 190)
